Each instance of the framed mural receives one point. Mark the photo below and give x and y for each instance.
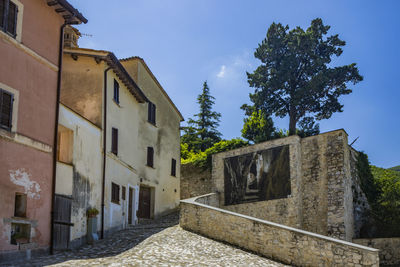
(258, 176)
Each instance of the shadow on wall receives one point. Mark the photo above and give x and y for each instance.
(257, 176)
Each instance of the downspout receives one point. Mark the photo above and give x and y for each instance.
(104, 151)
(58, 93)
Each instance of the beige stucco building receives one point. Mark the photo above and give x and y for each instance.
(122, 153)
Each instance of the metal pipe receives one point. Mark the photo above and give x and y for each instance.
(104, 150)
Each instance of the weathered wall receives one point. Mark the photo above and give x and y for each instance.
(121, 169)
(195, 181)
(326, 182)
(279, 242)
(274, 208)
(28, 69)
(360, 202)
(389, 249)
(81, 180)
(321, 199)
(81, 86)
(164, 137)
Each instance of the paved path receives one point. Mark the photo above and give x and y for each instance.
(156, 243)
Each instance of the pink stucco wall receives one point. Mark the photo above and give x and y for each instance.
(23, 168)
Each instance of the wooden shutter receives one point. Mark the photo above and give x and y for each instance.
(123, 192)
(116, 91)
(2, 10)
(6, 101)
(173, 167)
(115, 193)
(12, 18)
(150, 156)
(114, 143)
(154, 114)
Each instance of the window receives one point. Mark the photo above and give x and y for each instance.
(65, 144)
(116, 91)
(114, 141)
(152, 113)
(115, 193)
(150, 156)
(8, 17)
(123, 192)
(6, 106)
(20, 205)
(173, 167)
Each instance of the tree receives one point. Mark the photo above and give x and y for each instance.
(296, 78)
(258, 127)
(202, 133)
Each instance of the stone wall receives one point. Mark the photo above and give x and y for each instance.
(273, 208)
(389, 249)
(275, 241)
(321, 180)
(195, 181)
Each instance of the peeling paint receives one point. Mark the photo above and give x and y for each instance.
(22, 178)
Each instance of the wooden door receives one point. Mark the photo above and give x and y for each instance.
(130, 205)
(144, 202)
(62, 222)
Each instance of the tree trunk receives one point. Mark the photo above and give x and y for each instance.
(292, 124)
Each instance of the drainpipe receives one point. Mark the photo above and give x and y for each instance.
(53, 189)
(104, 151)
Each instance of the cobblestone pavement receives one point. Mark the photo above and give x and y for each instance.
(157, 243)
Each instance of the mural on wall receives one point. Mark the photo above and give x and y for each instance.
(257, 176)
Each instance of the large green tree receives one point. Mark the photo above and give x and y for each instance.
(201, 132)
(296, 77)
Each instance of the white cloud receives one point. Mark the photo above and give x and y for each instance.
(221, 73)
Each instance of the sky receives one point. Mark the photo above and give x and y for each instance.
(185, 43)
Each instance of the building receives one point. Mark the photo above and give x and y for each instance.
(114, 155)
(30, 33)
(159, 143)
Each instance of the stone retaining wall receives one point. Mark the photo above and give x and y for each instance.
(275, 241)
(195, 181)
(389, 249)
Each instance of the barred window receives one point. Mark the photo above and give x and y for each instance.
(8, 17)
(6, 103)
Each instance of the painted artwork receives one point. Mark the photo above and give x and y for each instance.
(257, 176)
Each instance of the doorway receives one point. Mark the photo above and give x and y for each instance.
(130, 206)
(144, 202)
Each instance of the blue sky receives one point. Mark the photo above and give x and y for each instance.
(187, 42)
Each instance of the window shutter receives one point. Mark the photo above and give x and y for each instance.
(173, 167)
(154, 114)
(2, 11)
(116, 91)
(114, 142)
(6, 101)
(150, 156)
(12, 19)
(149, 112)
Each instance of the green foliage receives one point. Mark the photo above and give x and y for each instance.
(368, 184)
(308, 127)
(295, 77)
(201, 133)
(387, 208)
(258, 127)
(203, 158)
(395, 168)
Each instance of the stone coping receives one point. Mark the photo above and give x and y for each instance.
(193, 201)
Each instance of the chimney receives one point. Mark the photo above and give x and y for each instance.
(71, 36)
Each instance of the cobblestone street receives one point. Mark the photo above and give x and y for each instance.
(155, 243)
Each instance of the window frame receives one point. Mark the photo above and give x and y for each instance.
(116, 92)
(173, 167)
(150, 157)
(151, 113)
(10, 117)
(6, 14)
(114, 141)
(115, 196)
